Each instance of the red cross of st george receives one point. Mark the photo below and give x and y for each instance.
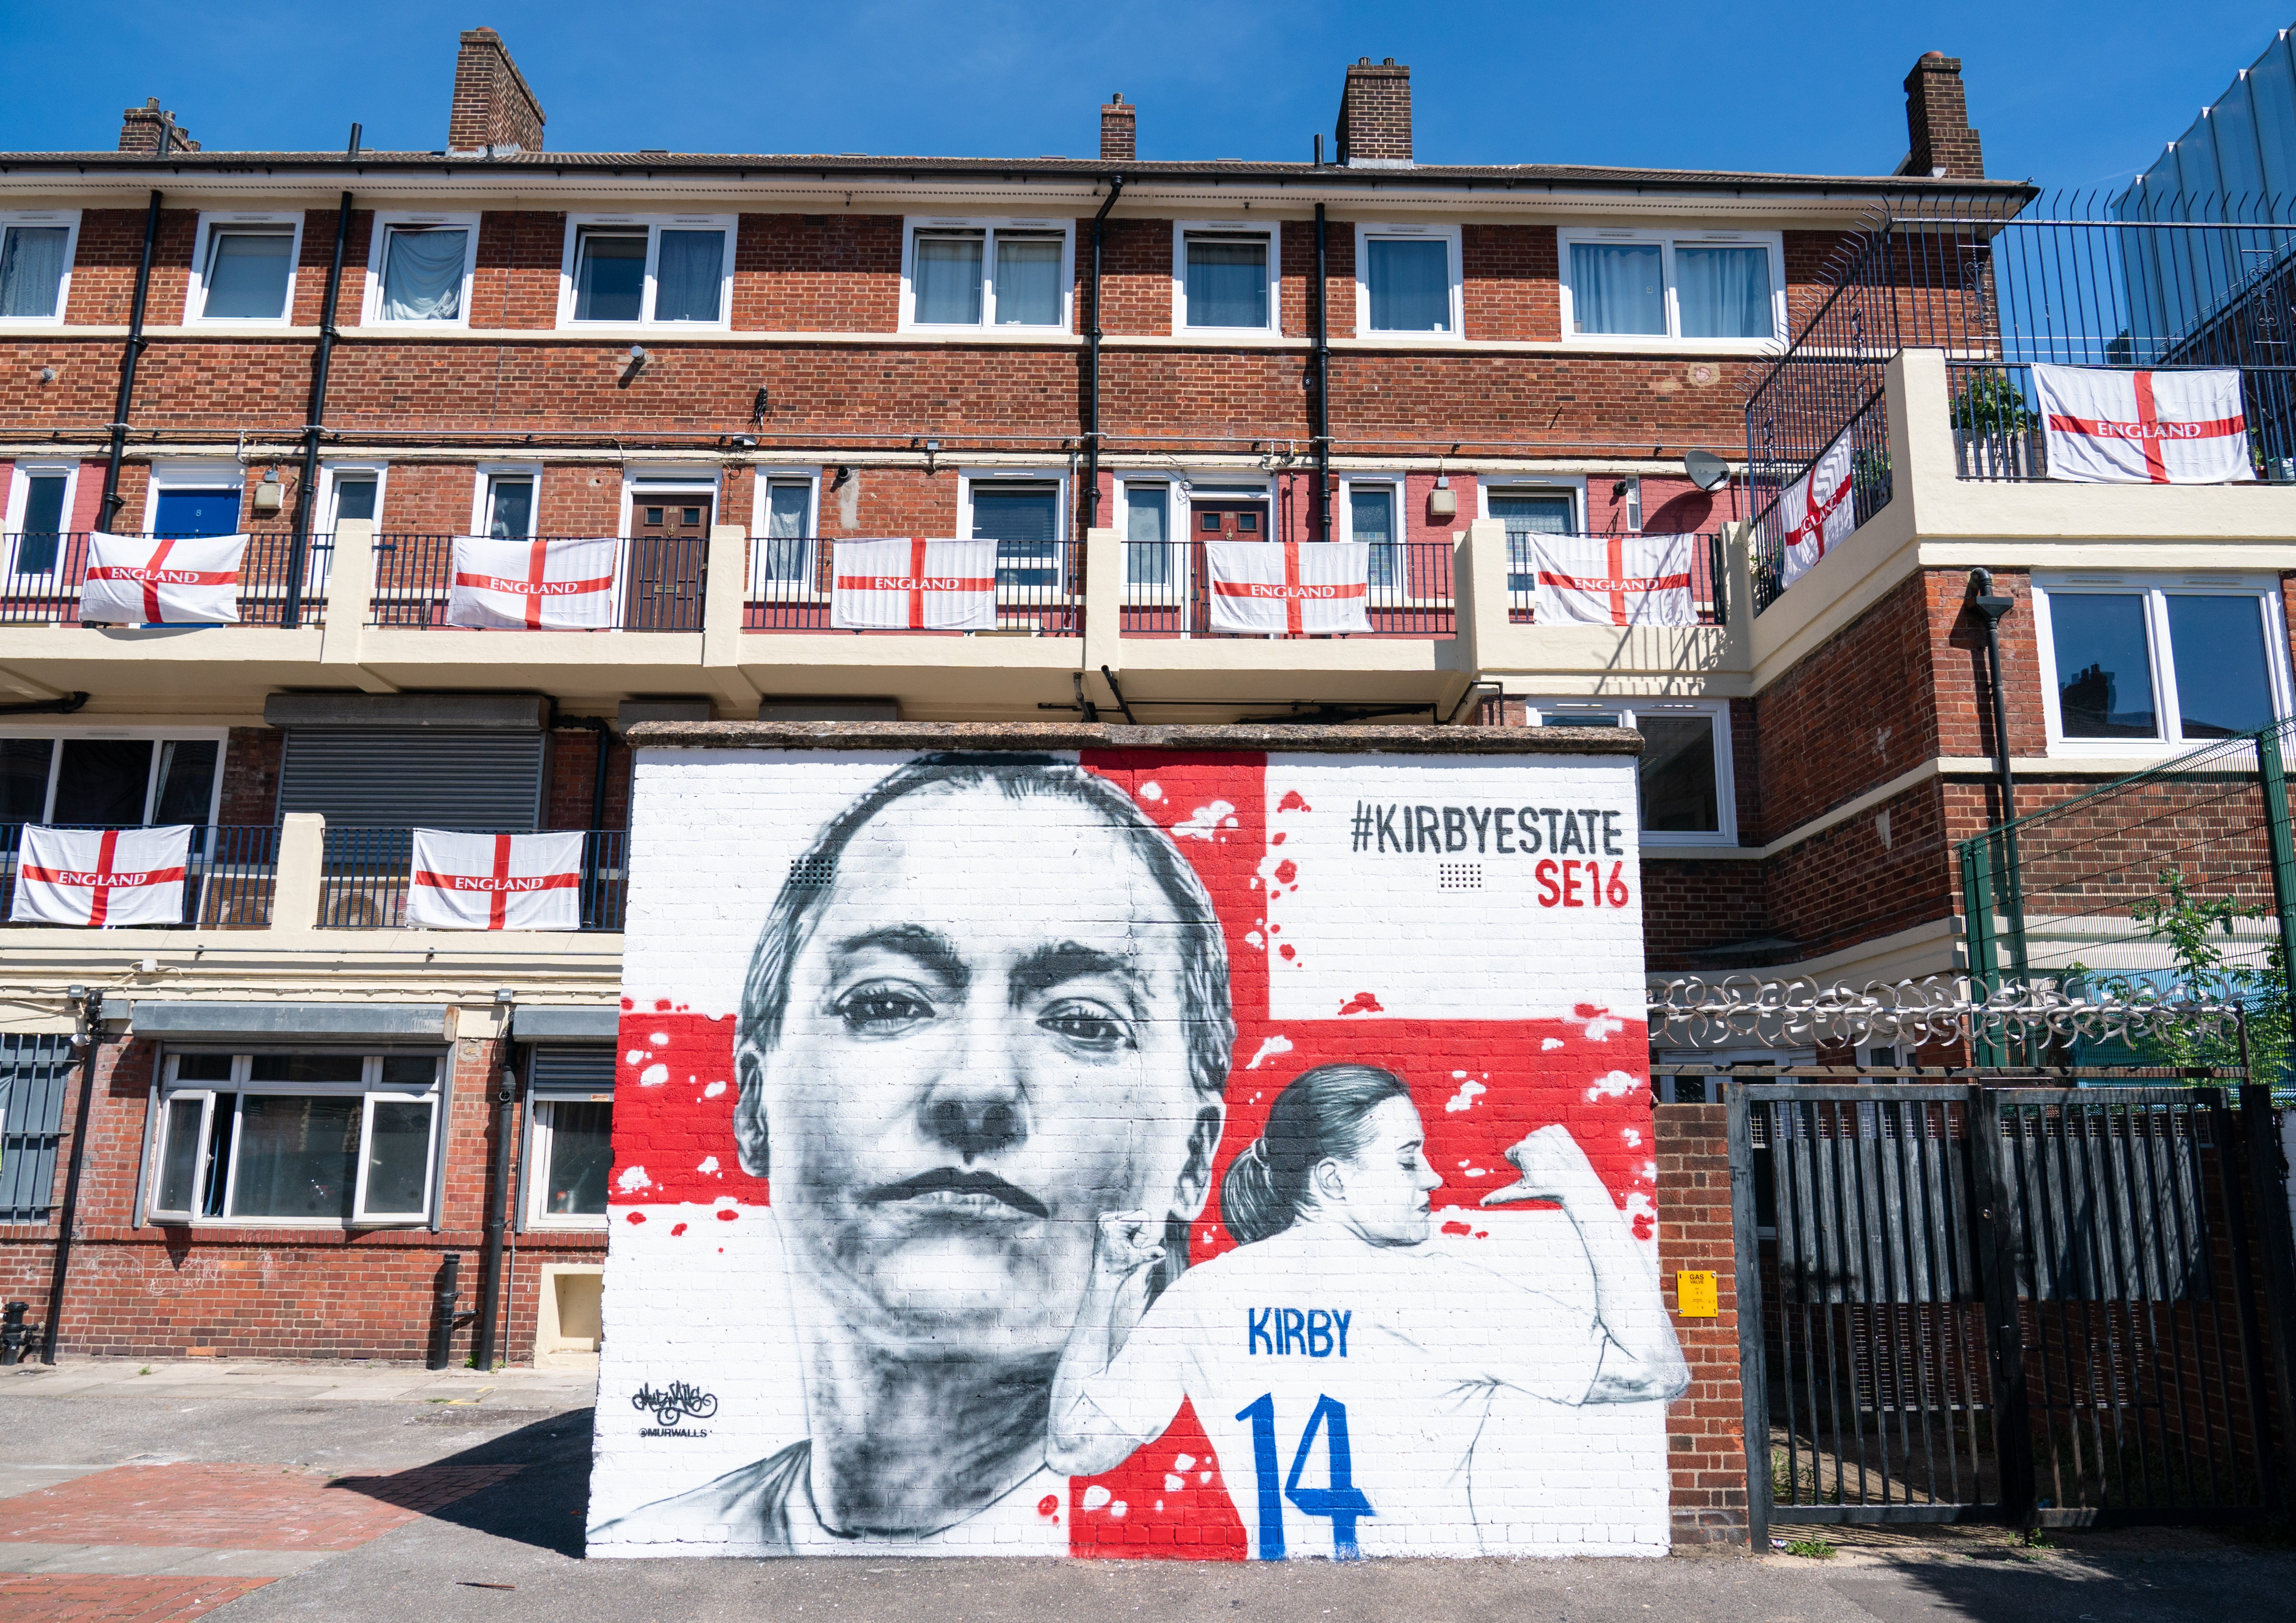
(102, 880)
(916, 582)
(499, 886)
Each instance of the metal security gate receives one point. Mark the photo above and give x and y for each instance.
(2041, 1305)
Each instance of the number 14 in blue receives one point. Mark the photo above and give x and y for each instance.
(1338, 1498)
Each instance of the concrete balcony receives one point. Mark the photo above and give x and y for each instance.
(375, 629)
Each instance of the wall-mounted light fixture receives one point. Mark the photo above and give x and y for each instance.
(932, 450)
(270, 493)
(844, 477)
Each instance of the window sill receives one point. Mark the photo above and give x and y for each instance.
(1639, 343)
(281, 1226)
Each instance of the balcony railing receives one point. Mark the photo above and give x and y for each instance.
(1167, 591)
(1040, 588)
(228, 882)
(366, 873)
(660, 581)
(41, 577)
(1708, 573)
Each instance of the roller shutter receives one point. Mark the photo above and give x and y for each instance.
(34, 1073)
(406, 777)
(582, 1071)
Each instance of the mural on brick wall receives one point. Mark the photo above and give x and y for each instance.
(1209, 1156)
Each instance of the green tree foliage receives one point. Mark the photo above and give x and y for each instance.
(2198, 932)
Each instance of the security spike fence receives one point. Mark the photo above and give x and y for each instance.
(1693, 1012)
(2168, 885)
(2080, 280)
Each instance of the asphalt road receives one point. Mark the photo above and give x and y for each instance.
(526, 1532)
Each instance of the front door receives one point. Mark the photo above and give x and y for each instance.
(669, 536)
(1229, 520)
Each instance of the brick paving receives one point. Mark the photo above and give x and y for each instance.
(70, 1597)
(168, 1509)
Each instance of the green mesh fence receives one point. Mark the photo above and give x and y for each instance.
(2165, 883)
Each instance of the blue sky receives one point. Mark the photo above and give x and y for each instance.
(2069, 95)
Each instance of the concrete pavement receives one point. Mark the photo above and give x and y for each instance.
(263, 1491)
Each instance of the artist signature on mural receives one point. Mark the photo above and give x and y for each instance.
(679, 1399)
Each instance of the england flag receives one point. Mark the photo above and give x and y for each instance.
(98, 878)
(2109, 427)
(534, 585)
(1289, 588)
(188, 580)
(496, 882)
(1817, 512)
(914, 585)
(1611, 580)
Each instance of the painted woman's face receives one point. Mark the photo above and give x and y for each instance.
(1382, 1193)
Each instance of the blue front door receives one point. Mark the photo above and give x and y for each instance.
(195, 513)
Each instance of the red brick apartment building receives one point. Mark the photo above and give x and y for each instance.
(726, 362)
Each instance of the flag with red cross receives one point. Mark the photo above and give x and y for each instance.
(1289, 588)
(914, 583)
(182, 581)
(496, 882)
(2105, 426)
(100, 877)
(1612, 580)
(564, 584)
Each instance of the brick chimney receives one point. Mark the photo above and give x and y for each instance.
(1119, 129)
(148, 130)
(1375, 116)
(493, 107)
(1938, 140)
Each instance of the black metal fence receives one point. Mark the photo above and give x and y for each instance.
(1167, 591)
(2036, 1305)
(1040, 588)
(366, 873)
(657, 581)
(228, 880)
(41, 577)
(1709, 579)
(2070, 282)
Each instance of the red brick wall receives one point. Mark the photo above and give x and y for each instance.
(251, 776)
(1510, 287)
(514, 282)
(1705, 1429)
(160, 1291)
(573, 781)
(1135, 276)
(818, 273)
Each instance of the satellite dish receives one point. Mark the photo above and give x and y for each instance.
(1707, 470)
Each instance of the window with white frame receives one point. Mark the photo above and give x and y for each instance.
(1686, 788)
(1151, 560)
(1025, 518)
(995, 275)
(110, 780)
(785, 532)
(39, 510)
(1528, 511)
(1371, 511)
(1407, 282)
(301, 1139)
(2132, 659)
(419, 269)
(351, 491)
(645, 270)
(243, 268)
(1224, 277)
(1710, 285)
(505, 504)
(573, 1152)
(36, 262)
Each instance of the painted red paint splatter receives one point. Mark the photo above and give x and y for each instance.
(1458, 1228)
(1288, 954)
(726, 1214)
(1049, 1505)
(675, 1233)
(1286, 872)
(1292, 802)
(1362, 1003)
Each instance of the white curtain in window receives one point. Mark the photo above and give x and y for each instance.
(31, 268)
(689, 274)
(1723, 292)
(1618, 287)
(247, 274)
(949, 280)
(1227, 281)
(422, 275)
(783, 547)
(1410, 285)
(1028, 282)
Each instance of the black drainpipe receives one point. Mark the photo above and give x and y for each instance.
(1323, 414)
(491, 1263)
(64, 706)
(1092, 363)
(91, 1038)
(113, 501)
(1991, 609)
(292, 615)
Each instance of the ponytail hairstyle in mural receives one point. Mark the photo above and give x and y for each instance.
(1318, 1116)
